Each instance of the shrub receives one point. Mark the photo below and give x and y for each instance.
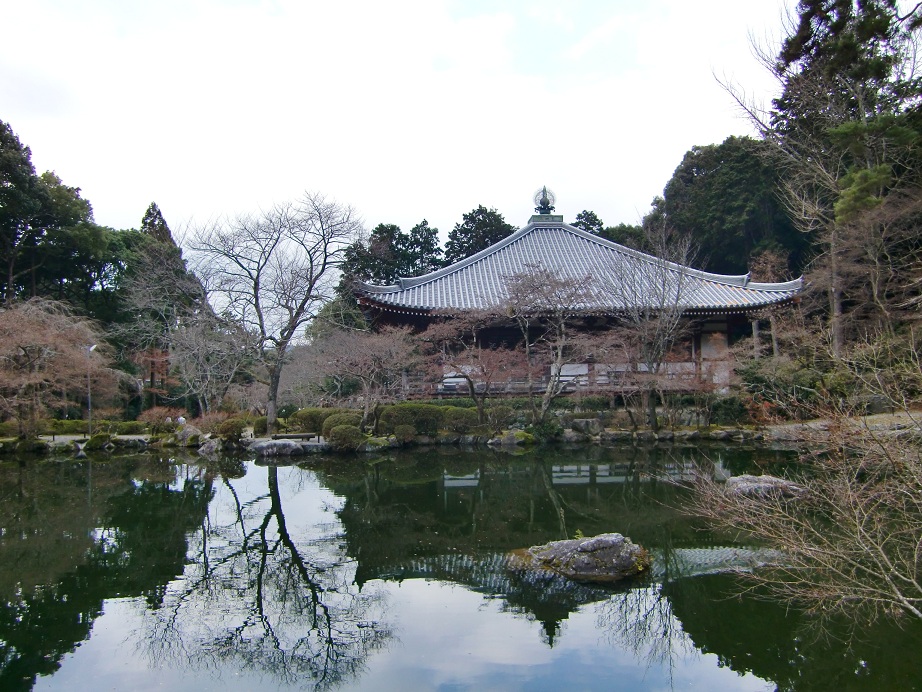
(130, 427)
(595, 402)
(69, 427)
(546, 430)
(9, 428)
(458, 420)
(345, 438)
(461, 402)
(287, 411)
(209, 422)
(353, 419)
(311, 419)
(426, 418)
(729, 410)
(98, 441)
(405, 434)
(260, 426)
(231, 429)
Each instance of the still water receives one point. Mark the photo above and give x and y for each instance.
(147, 572)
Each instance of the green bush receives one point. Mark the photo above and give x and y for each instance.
(595, 403)
(9, 428)
(405, 434)
(353, 419)
(461, 402)
(459, 420)
(260, 426)
(287, 411)
(546, 430)
(311, 419)
(729, 410)
(345, 438)
(68, 427)
(98, 441)
(426, 418)
(231, 429)
(130, 427)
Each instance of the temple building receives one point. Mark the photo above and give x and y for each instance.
(616, 281)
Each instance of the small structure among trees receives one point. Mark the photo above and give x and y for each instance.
(589, 313)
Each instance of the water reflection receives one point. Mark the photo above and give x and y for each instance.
(291, 575)
(256, 598)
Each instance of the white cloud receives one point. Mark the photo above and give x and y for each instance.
(405, 110)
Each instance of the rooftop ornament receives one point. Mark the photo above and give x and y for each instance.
(544, 199)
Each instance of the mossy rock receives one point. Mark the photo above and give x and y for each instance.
(523, 438)
(374, 444)
(98, 441)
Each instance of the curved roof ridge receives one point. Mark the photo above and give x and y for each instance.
(472, 280)
(404, 282)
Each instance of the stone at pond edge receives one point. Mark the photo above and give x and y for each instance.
(274, 448)
(604, 559)
(588, 426)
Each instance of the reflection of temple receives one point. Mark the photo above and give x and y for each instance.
(415, 520)
(457, 517)
(596, 474)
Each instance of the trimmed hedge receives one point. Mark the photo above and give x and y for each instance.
(405, 434)
(311, 419)
(426, 418)
(345, 438)
(459, 420)
(353, 419)
(231, 429)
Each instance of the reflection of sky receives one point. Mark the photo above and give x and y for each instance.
(445, 636)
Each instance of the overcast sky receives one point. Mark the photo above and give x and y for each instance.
(405, 109)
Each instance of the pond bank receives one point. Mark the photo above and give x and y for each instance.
(583, 431)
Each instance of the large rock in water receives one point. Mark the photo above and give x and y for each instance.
(763, 486)
(606, 558)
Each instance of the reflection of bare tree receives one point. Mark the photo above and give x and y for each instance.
(641, 621)
(256, 596)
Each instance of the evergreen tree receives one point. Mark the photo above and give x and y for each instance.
(154, 225)
(479, 229)
(589, 222)
(725, 198)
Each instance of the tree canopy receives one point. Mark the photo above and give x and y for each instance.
(479, 229)
(725, 198)
(388, 253)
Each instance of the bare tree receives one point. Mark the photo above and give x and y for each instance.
(545, 305)
(48, 357)
(853, 541)
(649, 298)
(457, 350)
(206, 354)
(376, 360)
(272, 272)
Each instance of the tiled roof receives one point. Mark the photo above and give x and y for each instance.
(617, 275)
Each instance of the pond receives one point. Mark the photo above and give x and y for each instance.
(149, 571)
